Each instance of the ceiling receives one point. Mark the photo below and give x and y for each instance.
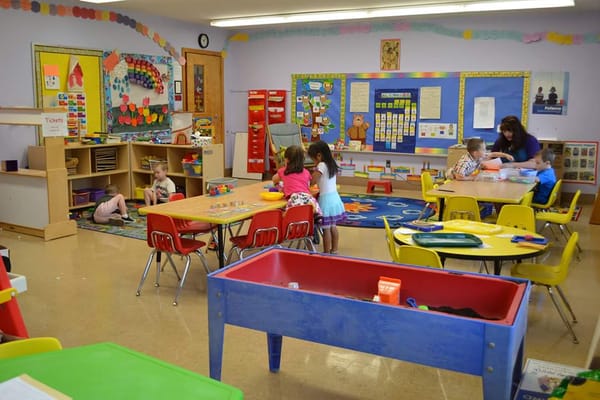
(202, 11)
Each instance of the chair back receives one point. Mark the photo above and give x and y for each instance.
(565, 261)
(527, 199)
(282, 136)
(297, 222)
(552, 198)
(162, 234)
(517, 216)
(573, 205)
(264, 229)
(23, 347)
(427, 185)
(461, 207)
(390, 241)
(422, 256)
(176, 196)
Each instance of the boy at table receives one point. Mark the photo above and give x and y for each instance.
(546, 178)
(467, 167)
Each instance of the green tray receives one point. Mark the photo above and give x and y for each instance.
(446, 239)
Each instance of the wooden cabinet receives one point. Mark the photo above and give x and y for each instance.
(97, 166)
(189, 182)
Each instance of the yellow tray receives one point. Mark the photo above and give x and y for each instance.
(464, 225)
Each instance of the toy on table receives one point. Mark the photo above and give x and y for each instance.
(220, 189)
(529, 238)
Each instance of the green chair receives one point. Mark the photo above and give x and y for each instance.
(551, 276)
(282, 136)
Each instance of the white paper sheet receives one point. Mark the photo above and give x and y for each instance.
(484, 112)
(359, 97)
(430, 102)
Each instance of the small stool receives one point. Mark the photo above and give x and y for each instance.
(387, 186)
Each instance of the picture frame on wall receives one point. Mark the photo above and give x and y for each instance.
(389, 55)
(580, 160)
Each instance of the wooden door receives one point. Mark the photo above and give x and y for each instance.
(203, 84)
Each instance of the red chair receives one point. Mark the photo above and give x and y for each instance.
(264, 231)
(186, 227)
(163, 237)
(298, 226)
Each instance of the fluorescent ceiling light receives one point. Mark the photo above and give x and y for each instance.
(400, 11)
(100, 1)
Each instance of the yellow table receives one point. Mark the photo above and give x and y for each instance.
(241, 203)
(494, 192)
(496, 247)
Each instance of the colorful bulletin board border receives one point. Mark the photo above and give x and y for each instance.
(42, 8)
(580, 160)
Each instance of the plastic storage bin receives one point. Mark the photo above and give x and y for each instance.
(221, 181)
(80, 197)
(192, 169)
(95, 193)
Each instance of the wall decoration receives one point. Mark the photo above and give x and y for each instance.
(139, 93)
(389, 55)
(75, 77)
(580, 162)
(550, 92)
(396, 123)
(51, 77)
(85, 13)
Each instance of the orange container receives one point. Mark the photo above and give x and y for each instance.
(389, 290)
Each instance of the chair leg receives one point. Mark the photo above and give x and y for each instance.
(173, 266)
(229, 256)
(564, 299)
(482, 266)
(188, 261)
(203, 260)
(145, 273)
(309, 244)
(562, 314)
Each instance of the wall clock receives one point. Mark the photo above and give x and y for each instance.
(203, 40)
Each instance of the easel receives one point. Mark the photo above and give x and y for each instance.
(595, 217)
(11, 320)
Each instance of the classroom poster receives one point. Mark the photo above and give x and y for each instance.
(549, 92)
(580, 162)
(396, 113)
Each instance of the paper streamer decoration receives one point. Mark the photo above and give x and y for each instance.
(92, 14)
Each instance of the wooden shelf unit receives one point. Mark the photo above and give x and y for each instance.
(86, 178)
(212, 165)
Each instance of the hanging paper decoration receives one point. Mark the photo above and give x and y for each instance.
(75, 78)
(144, 73)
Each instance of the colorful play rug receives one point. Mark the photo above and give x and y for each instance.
(368, 211)
(134, 230)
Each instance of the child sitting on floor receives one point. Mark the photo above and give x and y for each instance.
(546, 178)
(162, 187)
(111, 208)
(467, 167)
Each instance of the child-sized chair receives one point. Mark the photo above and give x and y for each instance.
(551, 276)
(298, 226)
(163, 237)
(264, 231)
(562, 220)
(23, 347)
(389, 237)
(193, 228)
(427, 185)
(461, 207)
(517, 216)
(415, 255)
(551, 199)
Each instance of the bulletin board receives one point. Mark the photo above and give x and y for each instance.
(580, 160)
(53, 68)
(418, 112)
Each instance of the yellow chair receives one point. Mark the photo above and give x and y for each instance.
(562, 220)
(24, 347)
(422, 256)
(527, 199)
(461, 207)
(427, 185)
(389, 237)
(551, 276)
(551, 199)
(517, 216)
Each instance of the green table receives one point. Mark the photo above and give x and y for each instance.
(109, 371)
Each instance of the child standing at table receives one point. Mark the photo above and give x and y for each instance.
(331, 204)
(546, 178)
(111, 208)
(162, 187)
(467, 167)
(296, 179)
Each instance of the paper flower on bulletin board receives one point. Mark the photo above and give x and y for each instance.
(146, 115)
(144, 73)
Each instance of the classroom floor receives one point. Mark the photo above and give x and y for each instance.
(81, 289)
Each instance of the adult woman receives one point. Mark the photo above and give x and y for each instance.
(516, 141)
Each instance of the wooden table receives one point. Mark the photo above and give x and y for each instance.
(240, 204)
(505, 192)
(496, 247)
(109, 371)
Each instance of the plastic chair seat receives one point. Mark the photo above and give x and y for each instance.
(23, 347)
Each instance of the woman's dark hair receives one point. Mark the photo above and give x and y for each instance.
(513, 124)
(322, 148)
(295, 160)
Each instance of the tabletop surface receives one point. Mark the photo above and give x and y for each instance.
(500, 192)
(496, 240)
(241, 203)
(109, 371)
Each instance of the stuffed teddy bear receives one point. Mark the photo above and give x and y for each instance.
(358, 130)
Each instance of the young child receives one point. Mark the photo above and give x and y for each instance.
(546, 178)
(466, 167)
(111, 208)
(331, 204)
(162, 187)
(296, 179)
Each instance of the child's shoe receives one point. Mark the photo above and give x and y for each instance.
(128, 219)
(116, 221)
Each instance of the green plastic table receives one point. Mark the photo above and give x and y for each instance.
(109, 371)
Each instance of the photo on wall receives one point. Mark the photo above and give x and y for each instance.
(549, 92)
(580, 162)
(390, 55)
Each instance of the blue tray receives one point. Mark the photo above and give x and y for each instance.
(536, 240)
(446, 240)
(422, 226)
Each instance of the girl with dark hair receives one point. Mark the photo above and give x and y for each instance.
(331, 204)
(516, 141)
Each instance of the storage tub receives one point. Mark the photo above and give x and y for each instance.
(80, 197)
(221, 181)
(95, 193)
(192, 169)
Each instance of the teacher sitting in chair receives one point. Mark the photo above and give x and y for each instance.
(516, 141)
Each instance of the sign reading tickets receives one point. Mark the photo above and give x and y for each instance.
(54, 124)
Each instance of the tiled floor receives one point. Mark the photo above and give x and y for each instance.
(81, 289)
